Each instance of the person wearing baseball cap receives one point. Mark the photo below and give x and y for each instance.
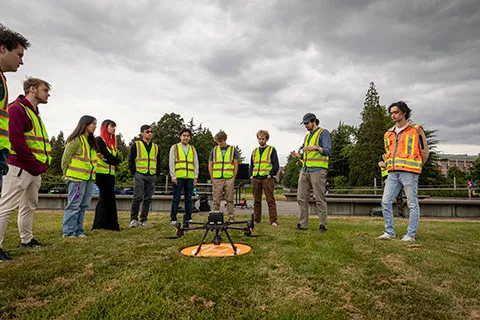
(317, 146)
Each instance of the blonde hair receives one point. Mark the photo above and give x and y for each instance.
(34, 82)
(263, 133)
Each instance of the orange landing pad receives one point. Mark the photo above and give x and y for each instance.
(211, 250)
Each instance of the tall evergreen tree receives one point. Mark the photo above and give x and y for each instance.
(431, 175)
(58, 146)
(203, 141)
(369, 147)
(289, 177)
(342, 149)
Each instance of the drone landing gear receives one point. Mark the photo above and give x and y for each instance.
(217, 239)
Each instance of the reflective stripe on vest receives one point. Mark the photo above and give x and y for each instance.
(262, 163)
(83, 166)
(314, 159)
(402, 150)
(223, 166)
(4, 142)
(37, 138)
(184, 163)
(384, 172)
(146, 162)
(102, 166)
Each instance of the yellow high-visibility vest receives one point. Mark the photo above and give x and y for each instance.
(37, 138)
(83, 166)
(102, 166)
(146, 162)
(223, 166)
(262, 163)
(4, 142)
(314, 159)
(184, 163)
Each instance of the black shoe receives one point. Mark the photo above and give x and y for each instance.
(300, 228)
(4, 256)
(322, 228)
(32, 244)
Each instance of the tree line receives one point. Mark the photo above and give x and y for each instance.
(357, 150)
(353, 161)
(165, 134)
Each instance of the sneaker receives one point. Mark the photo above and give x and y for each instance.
(69, 236)
(133, 224)
(173, 222)
(386, 236)
(145, 224)
(4, 256)
(32, 244)
(407, 238)
(82, 235)
(274, 224)
(190, 221)
(322, 228)
(231, 220)
(300, 228)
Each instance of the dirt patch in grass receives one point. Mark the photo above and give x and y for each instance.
(29, 303)
(394, 262)
(195, 300)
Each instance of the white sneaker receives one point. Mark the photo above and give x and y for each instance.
(407, 238)
(145, 224)
(386, 236)
(82, 235)
(173, 222)
(274, 224)
(133, 224)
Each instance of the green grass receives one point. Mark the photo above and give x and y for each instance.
(343, 274)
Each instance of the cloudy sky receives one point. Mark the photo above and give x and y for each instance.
(245, 65)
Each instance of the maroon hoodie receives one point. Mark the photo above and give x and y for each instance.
(19, 123)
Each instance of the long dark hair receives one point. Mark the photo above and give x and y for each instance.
(82, 125)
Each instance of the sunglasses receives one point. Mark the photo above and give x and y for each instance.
(148, 131)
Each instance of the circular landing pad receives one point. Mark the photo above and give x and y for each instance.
(211, 250)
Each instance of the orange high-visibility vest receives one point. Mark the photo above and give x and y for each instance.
(403, 150)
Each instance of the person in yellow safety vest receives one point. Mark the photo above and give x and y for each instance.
(384, 173)
(223, 167)
(406, 151)
(79, 166)
(263, 169)
(106, 216)
(183, 165)
(144, 164)
(30, 157)
(12, 48)
(317, 146)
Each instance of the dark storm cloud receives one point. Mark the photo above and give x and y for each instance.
(281, 59)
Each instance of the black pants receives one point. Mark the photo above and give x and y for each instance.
(106, 216)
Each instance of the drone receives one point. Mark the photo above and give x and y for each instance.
(217, 223)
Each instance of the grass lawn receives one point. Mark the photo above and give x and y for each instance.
(343, 274)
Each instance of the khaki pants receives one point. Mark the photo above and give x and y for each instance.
(266, 185)
(19, 190)
(224, 189)
(312, 180)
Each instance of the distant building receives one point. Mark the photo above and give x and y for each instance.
(462, 161)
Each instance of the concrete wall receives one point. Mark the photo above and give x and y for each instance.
(124, 202)
(430, 207)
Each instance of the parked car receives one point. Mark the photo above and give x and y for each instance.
(127, 191)
(57, 190)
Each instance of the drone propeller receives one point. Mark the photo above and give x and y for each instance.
(170, 237)
(257, 235)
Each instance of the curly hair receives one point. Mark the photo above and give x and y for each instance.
(11, 39)
(220, 136)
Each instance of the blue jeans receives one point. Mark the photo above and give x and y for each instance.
(393, 185)
(187, 186)
(79, 197)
